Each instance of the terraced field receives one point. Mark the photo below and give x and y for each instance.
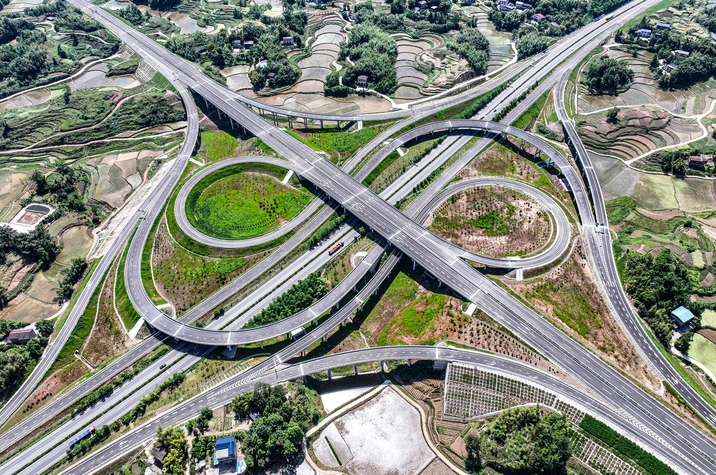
(644, 90)
(638, 131)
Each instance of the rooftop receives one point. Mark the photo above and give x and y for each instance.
(682, 314)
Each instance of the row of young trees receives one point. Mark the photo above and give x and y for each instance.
(297, 298)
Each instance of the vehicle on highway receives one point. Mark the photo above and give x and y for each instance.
(81, 436)
(335, 248)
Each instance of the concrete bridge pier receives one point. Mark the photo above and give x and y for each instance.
(231, 121)
(303, 353)
(324, 338)
(261, 344)
(382, 367)
(414, 264)
(410, 363)
(330, 374)
(305, 123)
(321, 123)
(355, 369)
(522, 144)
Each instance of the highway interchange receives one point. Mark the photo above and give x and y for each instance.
(431, 253)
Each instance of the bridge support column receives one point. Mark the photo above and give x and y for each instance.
(324, 338)
(382, 367)
(261, 344)
(522, 144)
(355, 369)
(315, 322)
(440, 284)
(305, 123)
(410, 363)
(232, 123)
(303, 353)
(206, 103)
(321, 123)
(330, 374)
(414, 264)
(275, 120)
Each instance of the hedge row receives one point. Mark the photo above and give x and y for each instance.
(624, 446)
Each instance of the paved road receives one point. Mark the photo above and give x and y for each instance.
(422, 246)
(188, 229)
(222, 395)
(599, 239)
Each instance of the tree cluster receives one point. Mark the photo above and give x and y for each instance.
(608, 74)
(657, 285)
(36, 246)
(531, 43)
(73, 274)
(174, 440)
(297, 298)
(6, 326)
(16, 359)
(522, 441)
(62, 186)
(373, 53)
(133, 14)
(285, 417)
(474, 47)
(67, 17)
(200, 424)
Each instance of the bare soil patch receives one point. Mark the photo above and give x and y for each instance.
(493, 221)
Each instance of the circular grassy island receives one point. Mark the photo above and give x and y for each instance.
(244, 201)
(493, 221)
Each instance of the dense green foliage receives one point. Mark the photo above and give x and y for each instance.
(522, 441)
(657, 285)
(302, 294)
(62, 188)
(529, 44)
(373, 53)
(17, 360)
(474, 47)
(36, 246)
(568, 14)
(608, 74)
(174, 440)
(624, 446)
(29, 58)
(74, 274)
(133, 14)
(277, 71)
(200, 424)
(683, 343)
(285, 417)
(6, 326)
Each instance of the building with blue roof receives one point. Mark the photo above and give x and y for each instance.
(225, 451)
(682, 316)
